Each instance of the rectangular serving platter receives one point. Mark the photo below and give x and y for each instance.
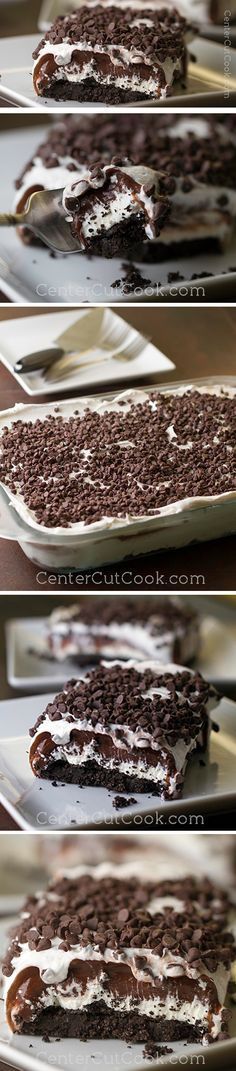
(28, 274)
(35, 1054)
(99, 330)
(70, 550)
(206, 81)
(40, 805)
(30, 671)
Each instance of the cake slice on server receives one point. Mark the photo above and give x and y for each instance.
(128, 726)
(98, 956)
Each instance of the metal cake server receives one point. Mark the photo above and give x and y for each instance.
(45, 216)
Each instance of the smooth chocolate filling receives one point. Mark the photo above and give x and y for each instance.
(46, 69)
(25, 997)
(44, 748)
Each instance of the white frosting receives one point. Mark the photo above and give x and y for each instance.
(49, 178)
(129, 397)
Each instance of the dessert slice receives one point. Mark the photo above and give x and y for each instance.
(160, 628)
(110, 208)
(118, 56)
(109, 957)
(126, 726)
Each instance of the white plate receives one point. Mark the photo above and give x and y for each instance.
(205, 78)
(36, 804)
(33, 1054)
(216, 661)
(40, 331)
(28, 274)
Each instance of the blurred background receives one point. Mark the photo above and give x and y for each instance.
(28, 861)
(215, 655)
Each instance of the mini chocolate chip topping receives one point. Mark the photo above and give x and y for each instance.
(116, 695)
(189, 452)
(144, 140)
(160, 34)
(114, 913)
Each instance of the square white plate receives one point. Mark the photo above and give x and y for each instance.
(205, 83)
(33, 1054)
(38, 804)
(27, 670)
(28, 273)
(41, 331)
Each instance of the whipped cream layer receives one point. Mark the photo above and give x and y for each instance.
(101, 405)
(46, 178)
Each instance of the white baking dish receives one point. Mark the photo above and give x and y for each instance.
(86, 547)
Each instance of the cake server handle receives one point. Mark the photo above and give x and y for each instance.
(39, 359)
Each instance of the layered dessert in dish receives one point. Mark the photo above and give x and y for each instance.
(119, 56)
(80, 467)
(108, 957)
(129, 726)
(198, 155)
(109, 208)
(159, 628)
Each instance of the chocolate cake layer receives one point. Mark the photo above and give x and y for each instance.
(161, 628)
(120, 55)
(102, 956)
(124, 726)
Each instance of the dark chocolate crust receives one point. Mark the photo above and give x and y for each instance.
(99, 1021)
(158, 252)
(118, 240)
(91, 90)
(91, 775)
